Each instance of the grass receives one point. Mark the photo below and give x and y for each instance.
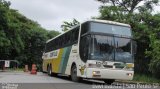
(145, 78)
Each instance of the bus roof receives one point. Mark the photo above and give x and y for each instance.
(92, 20)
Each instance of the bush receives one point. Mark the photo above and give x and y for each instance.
(154, 65)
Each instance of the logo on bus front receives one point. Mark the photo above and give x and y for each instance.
(98, 63)
(101, 63)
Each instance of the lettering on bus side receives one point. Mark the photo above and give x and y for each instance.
(45, 55)
(54, 54)
(51, 54)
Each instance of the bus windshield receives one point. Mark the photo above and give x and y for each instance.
(109, 48)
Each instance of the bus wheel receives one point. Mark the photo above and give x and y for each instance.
(49, 70)
(74, 74)
(109, 81)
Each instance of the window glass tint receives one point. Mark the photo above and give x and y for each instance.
(102, 47)
(110, 48)
(121, 30)
(111, 29)
(99, 27)
(123, 49)
(64, 40)
(124, 44)
(84, 28)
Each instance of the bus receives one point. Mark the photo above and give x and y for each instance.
(95, 49)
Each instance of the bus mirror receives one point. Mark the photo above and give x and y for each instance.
(134, 47)
(84, 45)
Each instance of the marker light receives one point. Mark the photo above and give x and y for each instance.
(130, 65)
(129, 74)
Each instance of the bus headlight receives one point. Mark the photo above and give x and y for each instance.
(96, 74)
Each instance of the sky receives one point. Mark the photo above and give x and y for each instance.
(50, 14)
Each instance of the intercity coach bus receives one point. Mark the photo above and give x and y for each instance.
(96, 49)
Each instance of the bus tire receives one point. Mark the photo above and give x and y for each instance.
(43, 71)
(109, 81)
(74, 76)
(49, 70)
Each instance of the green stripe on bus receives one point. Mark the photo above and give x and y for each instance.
(62, 59)
(66, 58)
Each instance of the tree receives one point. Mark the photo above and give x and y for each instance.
(130, 6)
(68, 25)
(51, 34)
(154, 52)
(5, 43)
(21, 38)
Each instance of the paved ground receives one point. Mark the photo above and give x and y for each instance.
(21, 80)
(21, 77)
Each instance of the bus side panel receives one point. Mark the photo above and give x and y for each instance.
(65, 58)
(73, 58)
(45, 63)
(63, 62)
(56, 62)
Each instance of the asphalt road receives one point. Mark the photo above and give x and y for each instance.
(21, 80)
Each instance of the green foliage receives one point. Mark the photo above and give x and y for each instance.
(129, 6)
(52, 34)
(145, 78)
(68, 25)
(20, 38)
(145, 26)
(154, 65)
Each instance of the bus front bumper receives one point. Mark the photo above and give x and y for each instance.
(97, 73)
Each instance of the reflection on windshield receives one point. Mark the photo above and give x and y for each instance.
(123, 50)
(111, 48)
(102, 47)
